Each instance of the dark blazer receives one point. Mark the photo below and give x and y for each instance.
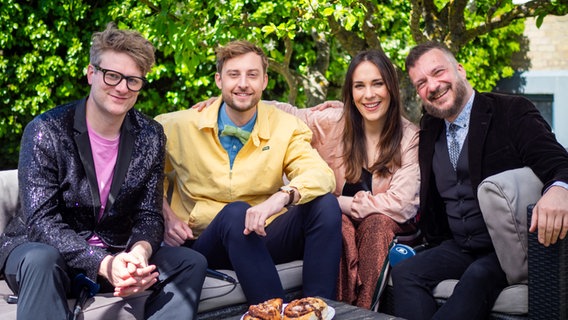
(505, 132)
(59, 193)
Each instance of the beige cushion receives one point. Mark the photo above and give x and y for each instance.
(105, 306)
(503, 199)
(216, 294)
(8, 196)
(512, 300)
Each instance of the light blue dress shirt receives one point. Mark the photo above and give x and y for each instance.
(231, 144)
(462, 122)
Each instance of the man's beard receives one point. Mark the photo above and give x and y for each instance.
(231, 104)
(460, 92)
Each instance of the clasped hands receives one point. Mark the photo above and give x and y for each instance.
(129, 272)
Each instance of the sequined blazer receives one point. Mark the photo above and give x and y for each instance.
(59, 194)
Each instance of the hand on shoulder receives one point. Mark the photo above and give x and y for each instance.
(204, 104)
(328, 104)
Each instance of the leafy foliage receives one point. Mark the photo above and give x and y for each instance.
(41, 63)
(44, 46)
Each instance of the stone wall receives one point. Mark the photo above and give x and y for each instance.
(548, 45)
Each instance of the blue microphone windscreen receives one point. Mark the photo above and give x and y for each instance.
(400, 252)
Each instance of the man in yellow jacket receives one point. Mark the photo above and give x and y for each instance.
(228, 199)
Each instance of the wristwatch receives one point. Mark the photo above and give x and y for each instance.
(290, 191)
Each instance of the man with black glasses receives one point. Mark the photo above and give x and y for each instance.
(91, 179)
(113, 78)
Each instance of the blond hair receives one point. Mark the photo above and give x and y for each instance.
(237, 48)
(126, 41)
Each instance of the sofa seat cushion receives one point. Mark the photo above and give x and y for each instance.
(105, 306)
(216, 294)
(512, 300)
(8, 196)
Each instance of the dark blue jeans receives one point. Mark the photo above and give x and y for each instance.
(310, 232)
(38, 274)
(481, 279)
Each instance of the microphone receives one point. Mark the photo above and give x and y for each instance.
(400, 252)
(83, 288)
(220, 275)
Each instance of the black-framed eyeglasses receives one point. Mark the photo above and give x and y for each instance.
(113, 78)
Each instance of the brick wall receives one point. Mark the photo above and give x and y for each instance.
(548, 45)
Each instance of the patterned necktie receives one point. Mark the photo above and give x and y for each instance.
(238, 133)
(454, 146)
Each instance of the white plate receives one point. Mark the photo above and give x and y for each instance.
(330, 312)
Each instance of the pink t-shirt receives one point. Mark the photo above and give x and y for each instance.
(105, 152)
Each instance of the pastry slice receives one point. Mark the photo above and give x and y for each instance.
(268, 310)
(306, 309)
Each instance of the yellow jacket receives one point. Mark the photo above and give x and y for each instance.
(203, 182)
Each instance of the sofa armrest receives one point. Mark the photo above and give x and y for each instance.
(503, 199)
(8, 196)
(548, 278)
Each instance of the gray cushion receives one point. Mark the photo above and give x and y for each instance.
(512, 300)
(8, 196)
(503, 199)
(217, 293)
(105, 306)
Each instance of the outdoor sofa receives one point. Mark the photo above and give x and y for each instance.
(504, 199)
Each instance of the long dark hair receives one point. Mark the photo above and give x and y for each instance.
(355, 152)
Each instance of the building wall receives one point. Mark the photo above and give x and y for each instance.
(548, 52)
(548, 46)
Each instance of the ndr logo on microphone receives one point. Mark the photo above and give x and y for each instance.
(401, 250)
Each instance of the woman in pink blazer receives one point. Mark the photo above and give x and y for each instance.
(373, 151)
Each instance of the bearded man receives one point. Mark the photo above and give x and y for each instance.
(465, 137)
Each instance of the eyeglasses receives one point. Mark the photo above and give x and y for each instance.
(113, 78)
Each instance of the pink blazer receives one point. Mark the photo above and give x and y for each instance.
(396, 196)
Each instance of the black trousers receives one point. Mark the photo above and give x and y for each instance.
(37, 273)
(481, 279)
(311, 232)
